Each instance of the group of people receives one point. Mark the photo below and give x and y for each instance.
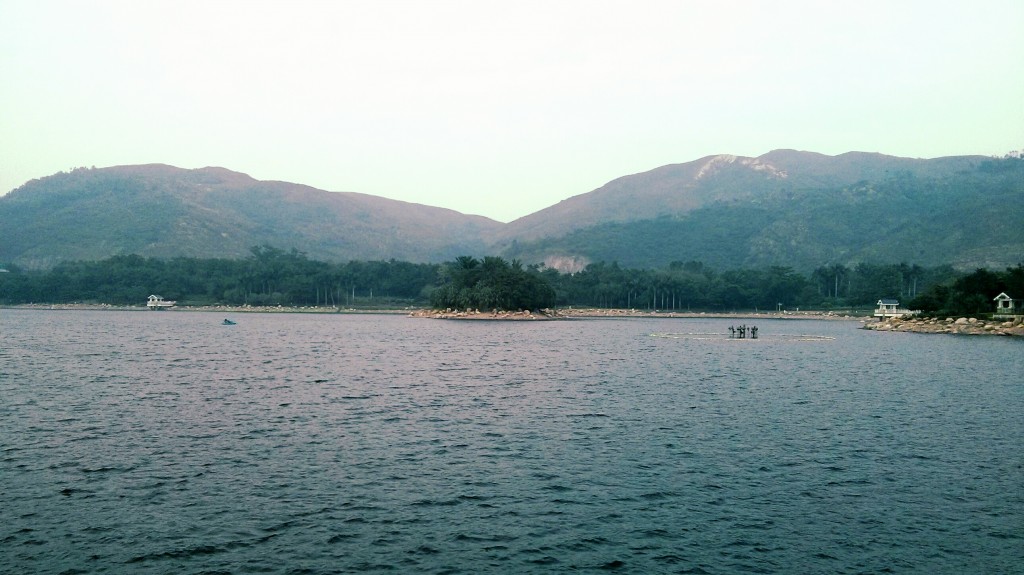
(742, 331)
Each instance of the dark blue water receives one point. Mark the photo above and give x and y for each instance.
(146, 442)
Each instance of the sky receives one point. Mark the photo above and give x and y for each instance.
(497, 108)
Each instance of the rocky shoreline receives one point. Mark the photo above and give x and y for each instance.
(541, 315)
(571, 313)
(962, 326)
(545, 314)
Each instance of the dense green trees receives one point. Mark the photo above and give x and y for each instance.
(491, 283)
(864, 284)
(271, 276)
(971, 294)
(692, 285)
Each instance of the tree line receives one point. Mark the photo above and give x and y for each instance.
(271, 276)
(971, 294)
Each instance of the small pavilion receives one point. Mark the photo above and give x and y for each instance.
(1006, 306)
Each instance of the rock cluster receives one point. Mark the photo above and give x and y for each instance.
(963, 325)
(544, 314)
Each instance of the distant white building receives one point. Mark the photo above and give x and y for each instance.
(157, 302)
(1006, 306)
(890, 308)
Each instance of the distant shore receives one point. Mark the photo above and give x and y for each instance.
(547, 314)
(207, 308)
(571, 313)
(962, 326)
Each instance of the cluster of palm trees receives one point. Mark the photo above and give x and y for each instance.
(491, 283)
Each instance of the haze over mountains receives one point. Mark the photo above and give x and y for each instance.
(790, 208)
(163, 211)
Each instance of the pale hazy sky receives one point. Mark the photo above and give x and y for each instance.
(497, 108)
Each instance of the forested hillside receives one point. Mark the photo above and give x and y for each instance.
(972, 218)
(167, 212)
(785, 208)
(677, 189)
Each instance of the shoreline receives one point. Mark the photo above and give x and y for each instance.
(541, 315)
(957, 326)
(600, 313)
(203, 308)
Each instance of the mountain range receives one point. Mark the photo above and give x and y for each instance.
(786, 207)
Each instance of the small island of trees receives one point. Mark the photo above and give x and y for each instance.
(491, 283)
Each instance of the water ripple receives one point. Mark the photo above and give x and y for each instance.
(158, 442)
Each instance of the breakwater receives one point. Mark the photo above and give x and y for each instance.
(962, 325)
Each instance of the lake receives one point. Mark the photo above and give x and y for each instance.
(165, 442)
